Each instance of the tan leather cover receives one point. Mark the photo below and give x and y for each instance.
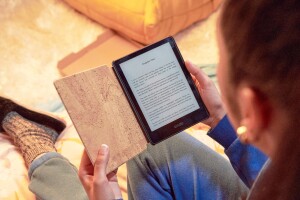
(101, 114)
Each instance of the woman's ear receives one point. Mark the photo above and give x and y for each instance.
(255, 114)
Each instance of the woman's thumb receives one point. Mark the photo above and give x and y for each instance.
(101, 162)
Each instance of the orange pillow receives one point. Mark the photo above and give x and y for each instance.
(146, 21)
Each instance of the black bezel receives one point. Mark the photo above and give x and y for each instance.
(176, 126)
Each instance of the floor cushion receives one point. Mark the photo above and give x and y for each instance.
(146, 21)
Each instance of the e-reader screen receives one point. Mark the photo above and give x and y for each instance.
(159, 88)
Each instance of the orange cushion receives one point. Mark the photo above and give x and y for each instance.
(146, 21)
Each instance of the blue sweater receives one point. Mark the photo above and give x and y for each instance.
(246, 160)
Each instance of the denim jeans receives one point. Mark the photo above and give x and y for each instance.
(182, 168)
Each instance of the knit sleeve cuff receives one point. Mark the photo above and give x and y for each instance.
(223, 133)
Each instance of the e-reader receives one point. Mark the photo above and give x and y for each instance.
(160, 90)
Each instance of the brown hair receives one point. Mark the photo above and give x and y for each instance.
(263, 42)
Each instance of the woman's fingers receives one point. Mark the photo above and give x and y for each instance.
(209, 94)
(86, 171)
(86, 167)
(199, 75)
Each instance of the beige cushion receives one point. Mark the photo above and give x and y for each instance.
(146, 21)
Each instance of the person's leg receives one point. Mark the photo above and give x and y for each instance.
(51, 175)
(181, 167)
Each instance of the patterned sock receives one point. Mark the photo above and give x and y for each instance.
(32, 138)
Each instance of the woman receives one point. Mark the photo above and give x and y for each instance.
(259, 81)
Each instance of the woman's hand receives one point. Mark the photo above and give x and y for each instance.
(96, 183)
(209, 94)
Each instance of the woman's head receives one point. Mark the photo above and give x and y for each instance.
(259, 71)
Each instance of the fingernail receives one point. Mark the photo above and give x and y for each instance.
(103, 149)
